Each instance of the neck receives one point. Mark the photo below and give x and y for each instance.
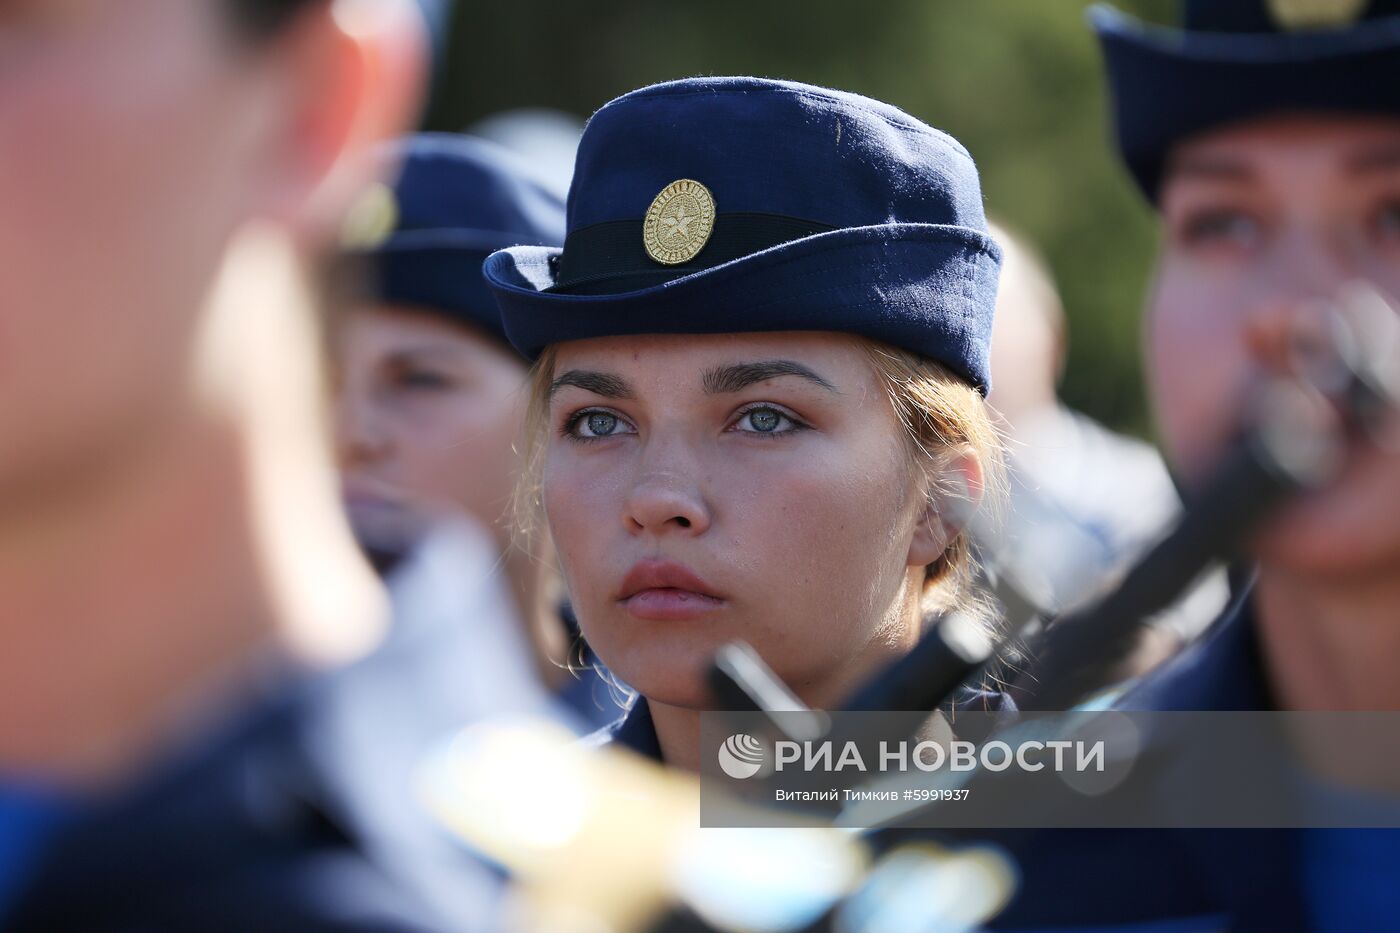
(678, 733)
(1330, 644)
(155, 586)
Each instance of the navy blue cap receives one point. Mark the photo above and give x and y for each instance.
(811, 209)
(459, 199)
(1234, 60)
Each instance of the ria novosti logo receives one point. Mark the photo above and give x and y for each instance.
(741, 756)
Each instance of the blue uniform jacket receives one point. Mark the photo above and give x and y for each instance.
(297, 814)
(1174, 881)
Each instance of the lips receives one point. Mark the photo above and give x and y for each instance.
(664, 590)
(358, 490)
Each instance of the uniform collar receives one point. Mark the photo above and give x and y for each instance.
(634, 731)
(1223, 671)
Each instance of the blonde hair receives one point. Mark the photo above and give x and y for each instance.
(943, 417)
(527, 499)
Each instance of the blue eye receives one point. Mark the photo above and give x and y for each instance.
(595, 424)
(1221, 228)
(765, 419)
(601, 424)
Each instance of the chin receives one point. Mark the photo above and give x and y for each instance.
(668, 667)
(676, 681)
(686, 688)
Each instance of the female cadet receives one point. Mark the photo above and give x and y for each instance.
(1267, 136)
(757, 406)
(1277, 190)
(430, 397)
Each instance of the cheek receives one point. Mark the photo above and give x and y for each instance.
(580, 491)
(116, 207)
(822, 537)
(111, 158)
(494, 463)
(583, 499)
(809, 515)
(1384, 273)
(457, 447)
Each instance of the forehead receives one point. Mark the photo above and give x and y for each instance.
(1287, 146)
(675, 357)
(393, 327)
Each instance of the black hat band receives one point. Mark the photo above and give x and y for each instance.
(610, 258)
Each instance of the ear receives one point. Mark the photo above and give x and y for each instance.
(949, 509)
(351, 73)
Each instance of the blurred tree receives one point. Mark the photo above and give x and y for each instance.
(1018, 81)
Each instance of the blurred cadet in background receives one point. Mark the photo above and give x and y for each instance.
(1085, 501)
(547, 138)
(707, 473)
(1267, 136)
(176, 573)
(431, 403)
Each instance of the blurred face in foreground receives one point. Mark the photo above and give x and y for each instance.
(429, 412)
(135, 138)
(702, 489)
(1261, 222)
(128, 145)
(167, 176)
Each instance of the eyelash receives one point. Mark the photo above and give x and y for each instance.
(796, 423)
(569, 429)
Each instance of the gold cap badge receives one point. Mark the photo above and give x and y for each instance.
(679, 222)
(371, 218)
(1316, 14)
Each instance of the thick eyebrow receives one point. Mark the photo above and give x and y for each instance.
(737, 376)
(1382, 158)
(604, 384)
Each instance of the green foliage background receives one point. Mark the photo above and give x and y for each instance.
(1018, 81)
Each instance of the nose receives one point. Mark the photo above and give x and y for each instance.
(1281, 338)
(361, 434)
(1285, 324)
(666, 498)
